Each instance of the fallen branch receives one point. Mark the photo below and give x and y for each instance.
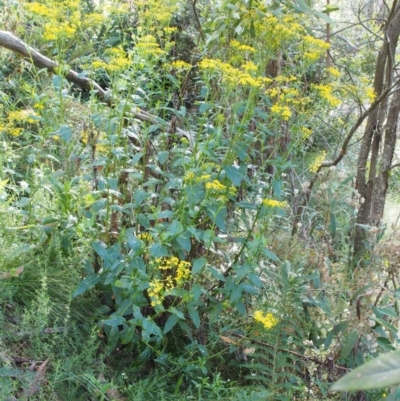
(16, 45)
(301, 356)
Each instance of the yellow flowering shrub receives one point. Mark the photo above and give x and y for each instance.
(268, 320)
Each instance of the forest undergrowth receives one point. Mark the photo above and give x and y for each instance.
(177, 217)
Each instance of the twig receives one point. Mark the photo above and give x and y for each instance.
(308, 358)
(16, 45)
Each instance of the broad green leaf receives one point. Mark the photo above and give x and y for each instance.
(86, 285)
(65, 133)
(194, 315)
(158, 250)
(171, 323)
(176, 312)
(234, 175)
(270, 255)
(163, 156)
(114, 321)
(389, 311)
(383, 371)
(184, 242)
(384, 323)
(198, 264)
(350, 344)
(217, 274)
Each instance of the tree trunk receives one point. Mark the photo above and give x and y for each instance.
(379, 139)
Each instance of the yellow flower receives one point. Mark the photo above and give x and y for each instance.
(325, 91)
(268, 320)
(282, 111)
(27, 115)
(189, 176)
(273, 203)
(14, 131)
(371, 95)
(334, 72)
(155, 291)
(316, 164)
(240, 46)
(215, 186)
(169, 30)
(145, 237)
(180, 65)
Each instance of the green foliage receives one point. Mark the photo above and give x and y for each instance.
(380, 372)
(158, 245)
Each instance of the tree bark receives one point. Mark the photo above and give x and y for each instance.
(379, 138)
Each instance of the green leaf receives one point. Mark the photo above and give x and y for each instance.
(175, 228)
(162, 156)
(65, 133)
(171, 323)
(114, 321)
(333, 224)
(173, 80)
(218, 215)
(350, 344)
(135, 158)
(158, 250)
(234, 175)
(389, 311)
(217, 274)
(204, 107)
(184, 242)
(198, 264)
(383, 371)
(389, 326)
(270, 255)
(194, 315)
(86, 285)
(177, 312)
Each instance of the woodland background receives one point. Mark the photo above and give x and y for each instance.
(192, 199)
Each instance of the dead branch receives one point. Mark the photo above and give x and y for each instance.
(16, 45)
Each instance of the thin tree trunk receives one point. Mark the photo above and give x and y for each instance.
(381, 128)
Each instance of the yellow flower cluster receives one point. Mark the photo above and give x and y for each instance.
(63, 18)
(241, 47)
(148, 46)
(216, 186)
(316, 164)
(155, 291)
(306, 133)
(282, 111)
(325, 91)
(176, 273)
(314, 48)
(21, 116)
(234, 76)
(268, 320)
(114, 64)
(273, 203)
(371, 95)
(277, 32)
(169, 30)
(180, 65)
(17, 118)
(39, 9)
(99, 141)
(333, 72)
(156, 14)
(58, 30)
(145, 237)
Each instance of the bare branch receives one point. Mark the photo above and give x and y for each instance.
(16, 45)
